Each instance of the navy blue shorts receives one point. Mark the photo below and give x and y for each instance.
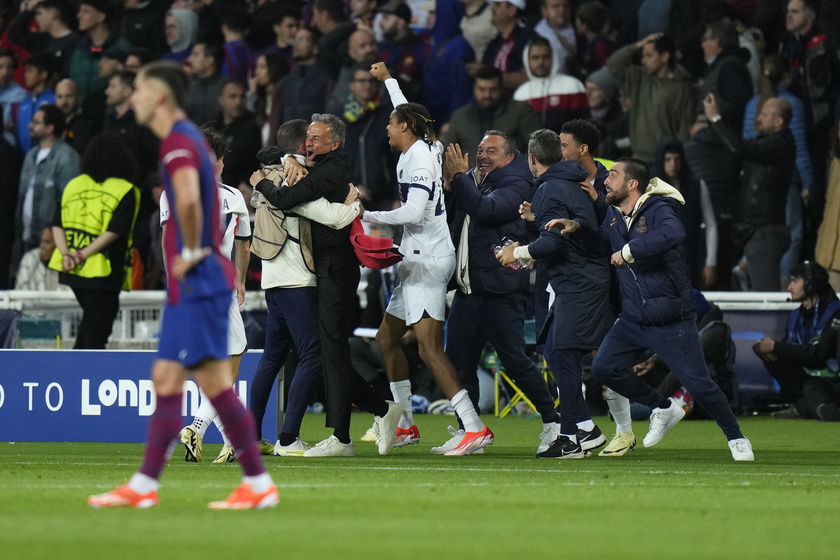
(194, 331)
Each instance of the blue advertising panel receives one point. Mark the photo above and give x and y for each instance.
(102, 396)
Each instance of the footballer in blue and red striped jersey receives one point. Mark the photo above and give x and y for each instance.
(186, 147)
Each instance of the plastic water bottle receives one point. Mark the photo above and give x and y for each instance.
(517, 264)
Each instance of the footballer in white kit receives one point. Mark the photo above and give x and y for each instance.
(419, 300)
(426, 244)
(237, 225)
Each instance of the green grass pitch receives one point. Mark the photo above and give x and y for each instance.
(683, 499)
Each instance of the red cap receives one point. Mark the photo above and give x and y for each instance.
(372, 252)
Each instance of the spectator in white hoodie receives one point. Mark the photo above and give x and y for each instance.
(556, 97)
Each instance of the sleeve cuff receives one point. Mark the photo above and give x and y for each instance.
(521, 252)
(626, 254)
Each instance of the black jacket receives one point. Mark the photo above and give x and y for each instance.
(728, 78)
(769, 162)
(493, 209)
(579, 275)
(328, 178)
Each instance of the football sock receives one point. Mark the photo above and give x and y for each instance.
(466, 412)
(402, 394)
(222, 430)
(162, 429)
(204, 416)
(620, 410)
(239, 424)
(572, 437)
(586, 425)
(259, 483)
(143, 484)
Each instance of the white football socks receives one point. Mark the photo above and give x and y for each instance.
(260, 483)
(402, 394)
(466, 411)
(143, 484)
(620, 410)
(204, 416)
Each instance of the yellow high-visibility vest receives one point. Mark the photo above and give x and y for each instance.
(86, 211)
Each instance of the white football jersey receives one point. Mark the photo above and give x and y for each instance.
(233, 212)
(420, 168)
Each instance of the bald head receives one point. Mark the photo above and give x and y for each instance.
(67, 96)
(361, 46)
(775, 115)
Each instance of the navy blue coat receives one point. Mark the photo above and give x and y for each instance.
(578, 273)
(656, 287)
(494, 214)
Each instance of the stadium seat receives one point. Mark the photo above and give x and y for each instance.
(35, 329)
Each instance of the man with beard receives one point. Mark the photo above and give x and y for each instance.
(241, 132)
(79, 127)
(645, 236)
(361, 51)
(401, 49)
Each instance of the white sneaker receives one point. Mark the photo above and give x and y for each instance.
(741, 449)
(331, 447)
(661, 421)
(452, 443)
(295, 449)
(550, 432)
(387, 427)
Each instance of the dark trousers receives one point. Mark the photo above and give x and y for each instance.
(338, 279)
(292, 319)
(567, 367)
(99, 309)
(806, 392)
(475, 320)
(764, 252)
(678, 345)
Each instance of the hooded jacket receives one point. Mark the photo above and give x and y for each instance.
(493, 208)
(556, 98)
(690, 213)
(578, 273)
(655, 284)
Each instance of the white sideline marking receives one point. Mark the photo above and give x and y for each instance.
(300, 463)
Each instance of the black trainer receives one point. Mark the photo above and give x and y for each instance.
(591, 440)
(562, 448)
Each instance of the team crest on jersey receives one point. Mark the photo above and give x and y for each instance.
(641, 225)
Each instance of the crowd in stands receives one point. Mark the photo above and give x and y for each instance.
(640, 70)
